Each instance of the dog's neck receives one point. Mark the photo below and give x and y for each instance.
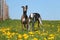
(24, 11)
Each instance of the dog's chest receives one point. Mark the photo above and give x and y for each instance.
(23, 19)
(32, 15)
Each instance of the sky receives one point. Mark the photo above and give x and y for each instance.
(48, 9)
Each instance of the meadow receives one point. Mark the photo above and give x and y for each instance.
(12, 30)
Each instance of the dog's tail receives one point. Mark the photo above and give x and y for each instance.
(40, 20)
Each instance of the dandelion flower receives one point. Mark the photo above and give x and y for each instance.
(7, 28)
(35, 38)
(8, 33)
(20, 39)
(20, 36)
(25, 36)
(31, 33)
(13, 34)
(45, 39)
(51, 35)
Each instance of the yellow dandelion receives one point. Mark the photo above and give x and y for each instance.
(19, 36)
(25, 36)
(50, 38)
(31, 33)
(20, 39)
(13, 34)
(51, 35)
(3, 29)
(8, 33)
(35, 38)
(44, 34)
(4, 33)
(45, 39)
(36, 31)
(9, 36)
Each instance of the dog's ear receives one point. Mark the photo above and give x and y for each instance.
(22, 6)
(26, 6)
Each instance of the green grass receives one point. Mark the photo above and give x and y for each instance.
(49, 27)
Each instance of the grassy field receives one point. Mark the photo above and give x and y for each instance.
(11, 30)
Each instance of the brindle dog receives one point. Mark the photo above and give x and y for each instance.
(24, 18)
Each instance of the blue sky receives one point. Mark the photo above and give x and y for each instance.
(48, 9)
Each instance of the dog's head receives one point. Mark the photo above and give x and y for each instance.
(25, 8)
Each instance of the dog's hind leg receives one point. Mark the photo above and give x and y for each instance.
(38, 23)
(32, 24)
(40, 20)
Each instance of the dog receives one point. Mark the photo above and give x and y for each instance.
(24, 18)
(33, 17)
